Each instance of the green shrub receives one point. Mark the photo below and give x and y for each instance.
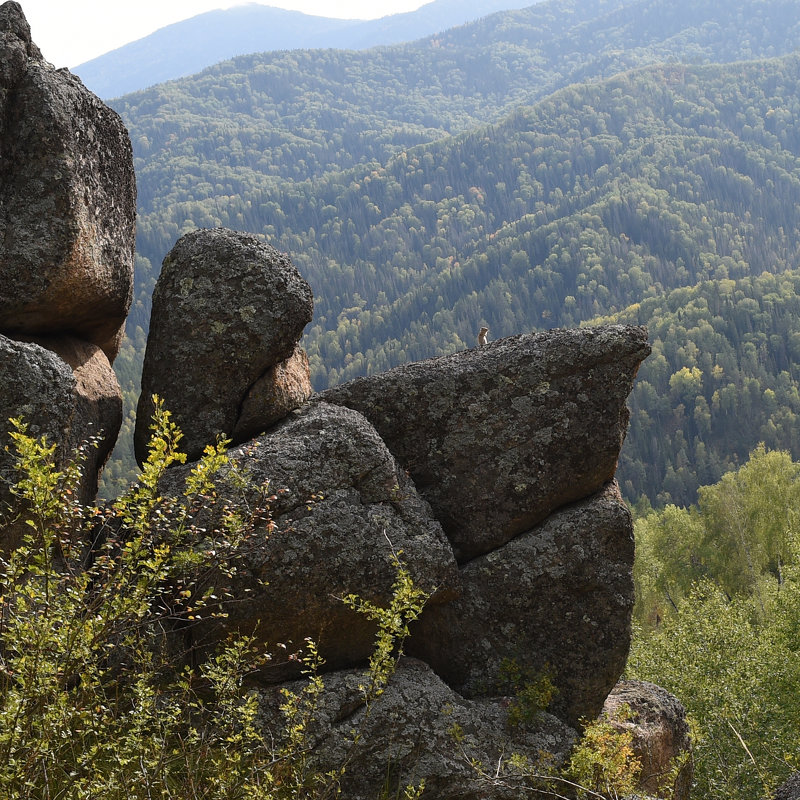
(95, 700)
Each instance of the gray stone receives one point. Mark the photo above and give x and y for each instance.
(342, 507)
(419, 728)
(498, 437)
(226, 308)
(67, 200)
(97, 403)
(555, 599)
(40, 388)
(790, 790)
(66, 391)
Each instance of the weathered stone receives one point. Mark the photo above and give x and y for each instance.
(555, 599)
(347, 507)
(657, 721)
(98, 405)
(66, 391)
(421, 729)
(226, 308)
(790, 790)
(67, 200)
(281, 389)
(39, 387)
(498, 437)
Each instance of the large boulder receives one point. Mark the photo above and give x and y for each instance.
(226, 308)
(67, 199)
(342, 507)
(657, 721)
(420, 728)
(66, 397)
(556, 601)
(498, 437)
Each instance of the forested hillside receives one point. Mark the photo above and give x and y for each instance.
(423, 192)
(191, 45)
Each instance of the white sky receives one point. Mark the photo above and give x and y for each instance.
(70, 32)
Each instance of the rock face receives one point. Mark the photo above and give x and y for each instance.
(789, 790)
(420, 728)
(65, 391)
(500, 436)
(501, 458)
(660, 731)
(67, 200)
(97, 404)
(67, 212)
(226, 309)
(281, 389)
(346, 508)
(555, 600)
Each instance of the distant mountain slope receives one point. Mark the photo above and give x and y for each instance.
(192, 45)
(600, 197)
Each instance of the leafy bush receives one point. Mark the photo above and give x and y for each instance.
(718, 623)
(96, 698)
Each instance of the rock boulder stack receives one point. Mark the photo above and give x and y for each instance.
(67, 223)
(490, 472)
(67, 200)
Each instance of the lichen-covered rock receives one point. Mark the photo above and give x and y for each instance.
(657, 721)
(97, 405)
(421, 729)
(557, 599)
(226, 308)
(498, 437)
(67, 200)
(344, 509)
(66, 391)
(281, 389)
(790, 790)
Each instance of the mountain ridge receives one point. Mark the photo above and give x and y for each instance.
(191, 45)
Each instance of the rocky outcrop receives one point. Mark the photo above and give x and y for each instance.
(97, 405)
(226, 309)
(67, 211)
(657, 721)
(65, 391)
(67, 200)
(554, 601)
(500, 459)
(281, 389)
(344, 508)
(498, 437)
(39, 387)
(420, 728)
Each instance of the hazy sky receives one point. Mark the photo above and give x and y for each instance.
(70, 32)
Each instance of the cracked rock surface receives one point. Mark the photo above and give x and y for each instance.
(498, 437)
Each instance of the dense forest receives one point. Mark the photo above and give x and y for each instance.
(526, 171)
(718, 613)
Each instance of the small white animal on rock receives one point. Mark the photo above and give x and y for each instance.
(482, 336)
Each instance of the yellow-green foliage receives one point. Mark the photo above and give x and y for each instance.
(94, 702)
(532, 691)
(603, 762)
(718, 604)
